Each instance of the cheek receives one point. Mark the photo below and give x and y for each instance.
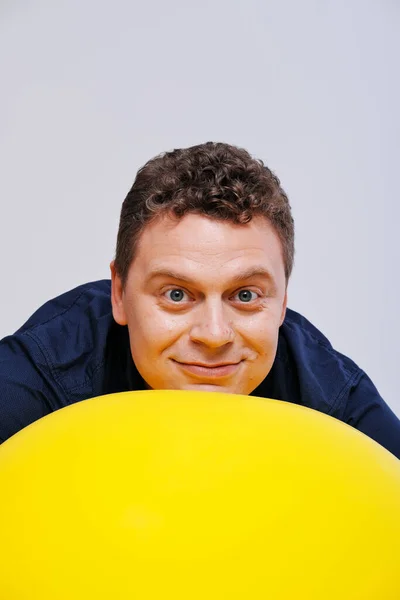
(261, 332)
(155, 329)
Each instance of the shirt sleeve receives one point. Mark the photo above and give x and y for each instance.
(367, 412)
(26, 394)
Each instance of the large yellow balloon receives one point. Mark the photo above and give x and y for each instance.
(181, 495)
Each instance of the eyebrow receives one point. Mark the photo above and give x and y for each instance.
(251, 272)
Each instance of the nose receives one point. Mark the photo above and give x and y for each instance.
(212, 327)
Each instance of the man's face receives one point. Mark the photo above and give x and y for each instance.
(203, 303)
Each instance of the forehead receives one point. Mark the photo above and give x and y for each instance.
(202, 243)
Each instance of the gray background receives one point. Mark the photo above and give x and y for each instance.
(90, 90)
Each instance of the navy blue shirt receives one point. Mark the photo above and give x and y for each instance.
(71, 349)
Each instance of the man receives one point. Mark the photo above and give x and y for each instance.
(197, 301)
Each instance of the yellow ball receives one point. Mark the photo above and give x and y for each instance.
(189, 496)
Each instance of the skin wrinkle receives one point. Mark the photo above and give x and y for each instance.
(210, 324)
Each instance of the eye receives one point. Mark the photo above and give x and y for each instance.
(246, 296)
(176, 295)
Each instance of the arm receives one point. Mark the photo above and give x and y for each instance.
(366, 411)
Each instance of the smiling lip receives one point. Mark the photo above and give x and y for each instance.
(214, 371)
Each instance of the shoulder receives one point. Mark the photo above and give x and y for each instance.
(56, 357)
(87, 299)
(66, 337)
(303, 336)
(298, 326)
(331, 382)
(324, 376)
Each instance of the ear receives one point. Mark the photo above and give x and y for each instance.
(284, 306)
(117, 297)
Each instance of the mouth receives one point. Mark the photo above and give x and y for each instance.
(209, 370)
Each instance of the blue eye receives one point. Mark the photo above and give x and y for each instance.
(176, 295)
(247, 295)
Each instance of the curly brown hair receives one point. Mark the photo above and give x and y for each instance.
(213, 179)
